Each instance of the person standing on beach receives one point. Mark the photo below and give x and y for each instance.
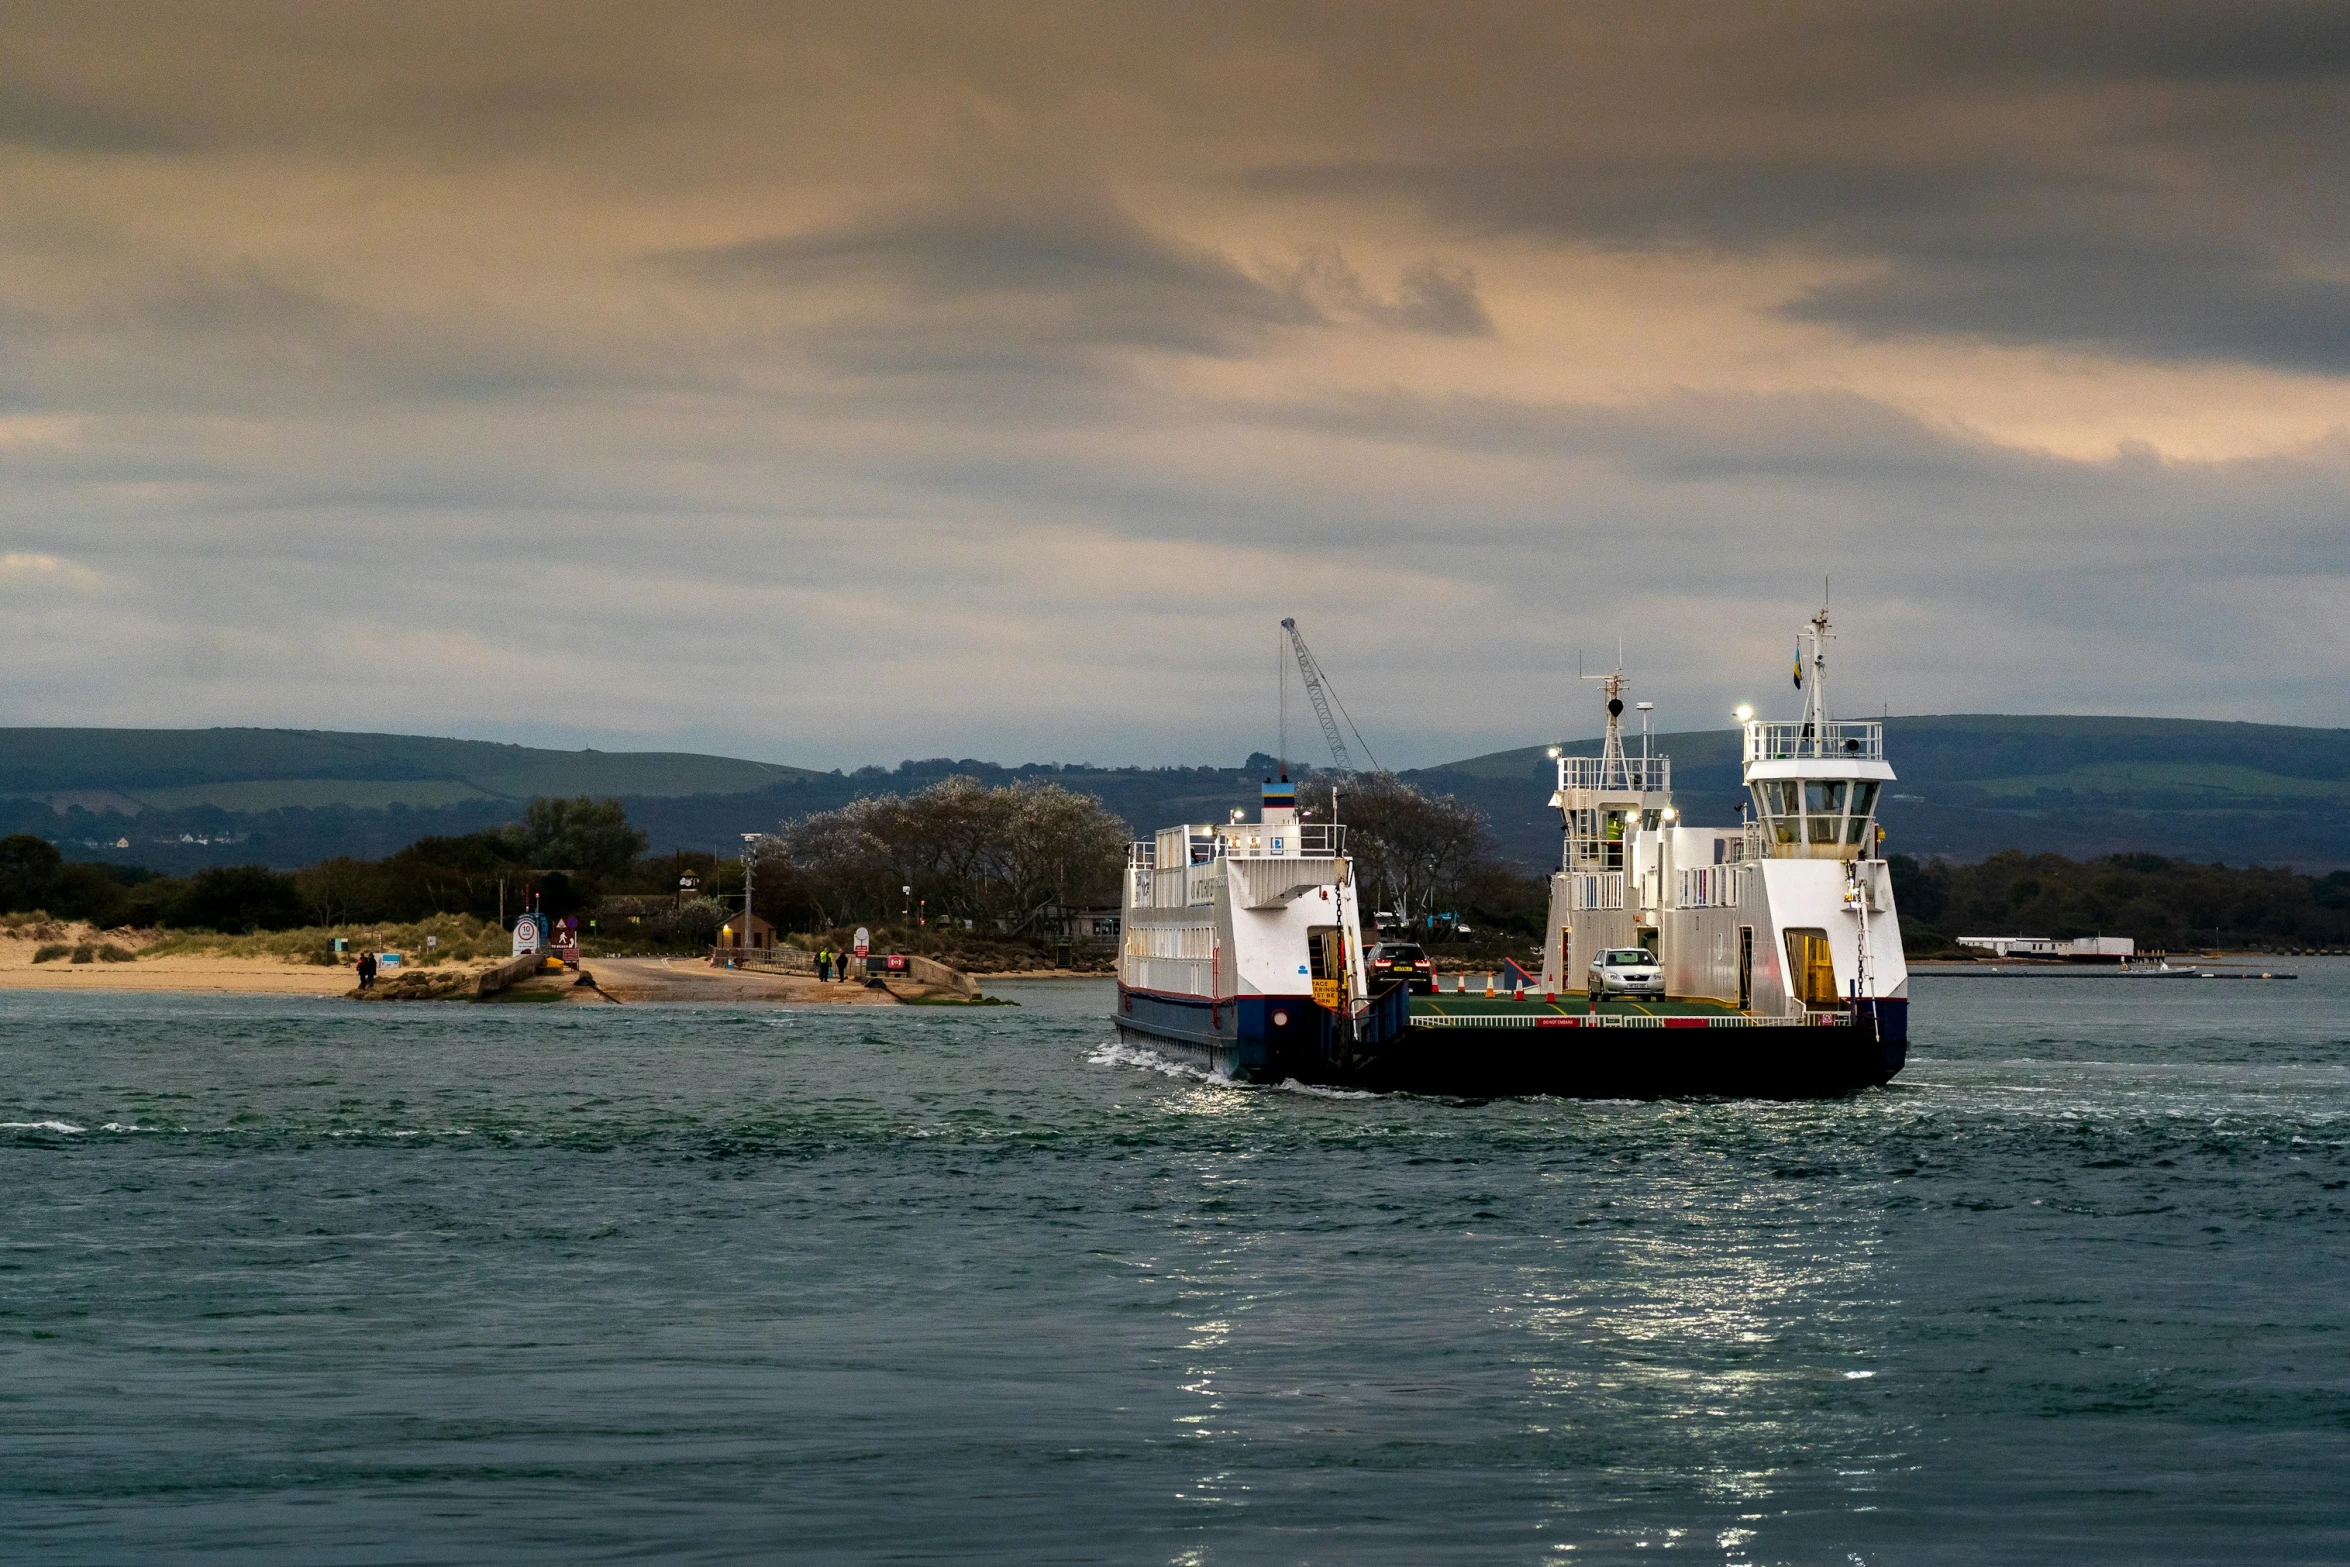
(366, 970)
(823, 964)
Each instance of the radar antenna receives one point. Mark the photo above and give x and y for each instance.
(1319, 693)
(1614, 771)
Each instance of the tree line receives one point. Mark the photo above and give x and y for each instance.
(957, 850)
(1427, 859)
(566, 853)
(2161, 904)
(1000, 858)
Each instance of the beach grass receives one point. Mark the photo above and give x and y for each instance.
(461, 938)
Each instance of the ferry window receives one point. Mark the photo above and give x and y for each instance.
(1857, 831)
(1649, 819)
(1811, 970)
(1864, 798)
(1785, 826)
(1778, 797)
(1823, 799)
(1823, 829)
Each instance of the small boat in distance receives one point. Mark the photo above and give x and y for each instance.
(1776, 940)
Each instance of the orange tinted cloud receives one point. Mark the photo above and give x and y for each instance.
(1021, 365)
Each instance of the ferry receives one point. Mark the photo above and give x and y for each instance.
(1776, 939)
(1242, 948)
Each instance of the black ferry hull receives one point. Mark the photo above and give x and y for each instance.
(1675, 1059)
(1534, 1050)
(1251, 1039)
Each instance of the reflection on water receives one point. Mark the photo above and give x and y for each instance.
(1702, 1337)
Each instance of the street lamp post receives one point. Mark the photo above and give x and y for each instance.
(749, 839)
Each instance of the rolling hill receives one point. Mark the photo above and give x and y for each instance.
(1974, 784)
(130, 771)
(1970, 786)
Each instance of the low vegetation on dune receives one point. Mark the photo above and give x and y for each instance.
(441, 938)
(32, 925)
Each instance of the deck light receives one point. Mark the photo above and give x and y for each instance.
(1554, 751)
(1745, 713)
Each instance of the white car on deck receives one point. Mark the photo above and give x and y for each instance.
(1627, 971)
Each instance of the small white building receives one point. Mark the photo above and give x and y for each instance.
(2011, 946)
(2079, 949)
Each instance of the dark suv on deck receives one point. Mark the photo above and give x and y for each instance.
(1404, 961)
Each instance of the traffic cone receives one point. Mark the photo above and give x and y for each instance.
(1489, 986)
(1517, 990)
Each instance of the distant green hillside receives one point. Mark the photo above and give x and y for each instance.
(1972, 784)
(129, 771)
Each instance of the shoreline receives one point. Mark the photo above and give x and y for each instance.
(1041, 973)
(622, 980)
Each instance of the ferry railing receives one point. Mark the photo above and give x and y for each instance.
(1833, 742)
(1633, 774)
(1595, 889)
(1711, 886)
(1306, 840)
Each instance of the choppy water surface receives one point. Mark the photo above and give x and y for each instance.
(299, 1281)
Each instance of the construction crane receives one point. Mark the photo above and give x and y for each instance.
(1319, 693)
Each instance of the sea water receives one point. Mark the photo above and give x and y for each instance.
(301, 1281)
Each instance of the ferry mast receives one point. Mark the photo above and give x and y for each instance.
(1815, 699)
(1611, 807)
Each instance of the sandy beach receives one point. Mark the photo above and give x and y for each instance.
(619, 979)
(179, 971)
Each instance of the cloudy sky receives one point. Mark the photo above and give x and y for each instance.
(840, 383)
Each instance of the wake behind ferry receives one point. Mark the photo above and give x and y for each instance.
(1776, 939)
